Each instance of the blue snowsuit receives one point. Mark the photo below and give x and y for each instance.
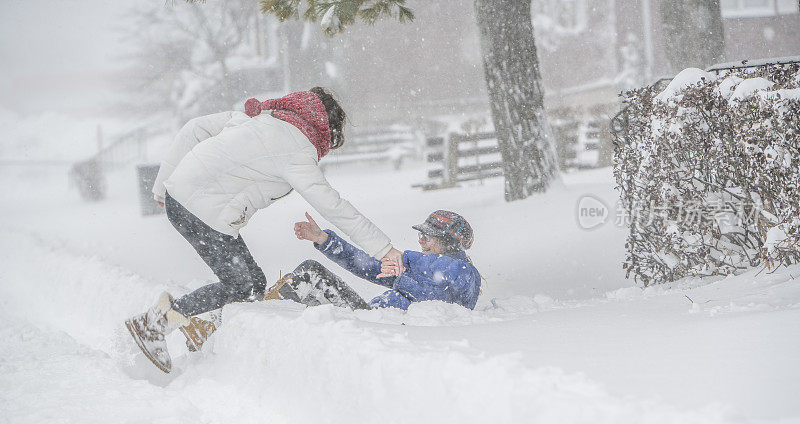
(450, 278)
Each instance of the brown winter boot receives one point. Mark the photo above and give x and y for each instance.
(282, 290)
(149, 331)
(197, 332)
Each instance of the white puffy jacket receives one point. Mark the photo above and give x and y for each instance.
(224, 167)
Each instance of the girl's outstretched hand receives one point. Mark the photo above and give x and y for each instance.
(392, 264)
(309, 230)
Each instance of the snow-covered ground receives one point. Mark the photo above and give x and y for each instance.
(558, 336)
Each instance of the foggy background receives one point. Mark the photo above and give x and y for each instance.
(118, 63)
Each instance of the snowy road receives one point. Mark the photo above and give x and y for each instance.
(558, 336)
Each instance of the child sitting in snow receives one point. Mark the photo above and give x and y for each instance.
(441, 271)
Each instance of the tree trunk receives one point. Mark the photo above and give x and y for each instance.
(693, 33)
(515, 90)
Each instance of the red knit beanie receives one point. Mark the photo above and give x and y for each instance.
(304, 110)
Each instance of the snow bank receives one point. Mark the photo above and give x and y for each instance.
(320, 368)
(53, 286)
(46, 136)
(273, 361)
(47, 376)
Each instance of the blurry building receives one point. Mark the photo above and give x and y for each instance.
(589, 51)
(753, 29)
(619, 44)
(761, 28)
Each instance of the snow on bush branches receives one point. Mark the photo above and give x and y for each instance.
(709, 173)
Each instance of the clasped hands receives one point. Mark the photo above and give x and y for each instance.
(391, 264)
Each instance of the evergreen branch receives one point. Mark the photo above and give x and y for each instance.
(337, 14)
(282, 9)
(405, 14)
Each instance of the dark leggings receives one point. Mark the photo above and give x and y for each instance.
(240, 278)
(312, 284)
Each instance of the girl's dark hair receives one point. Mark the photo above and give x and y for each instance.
(450, 245)
(336, 116)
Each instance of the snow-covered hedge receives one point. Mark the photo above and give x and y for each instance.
(709, 173)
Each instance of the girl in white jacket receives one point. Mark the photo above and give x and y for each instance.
(219, 171)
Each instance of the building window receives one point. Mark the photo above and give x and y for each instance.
(757, 8)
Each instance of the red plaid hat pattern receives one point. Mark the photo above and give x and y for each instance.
(447, 224)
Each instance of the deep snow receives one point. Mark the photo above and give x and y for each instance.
(558, 335)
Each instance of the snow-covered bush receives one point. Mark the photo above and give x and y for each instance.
(709, 173)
